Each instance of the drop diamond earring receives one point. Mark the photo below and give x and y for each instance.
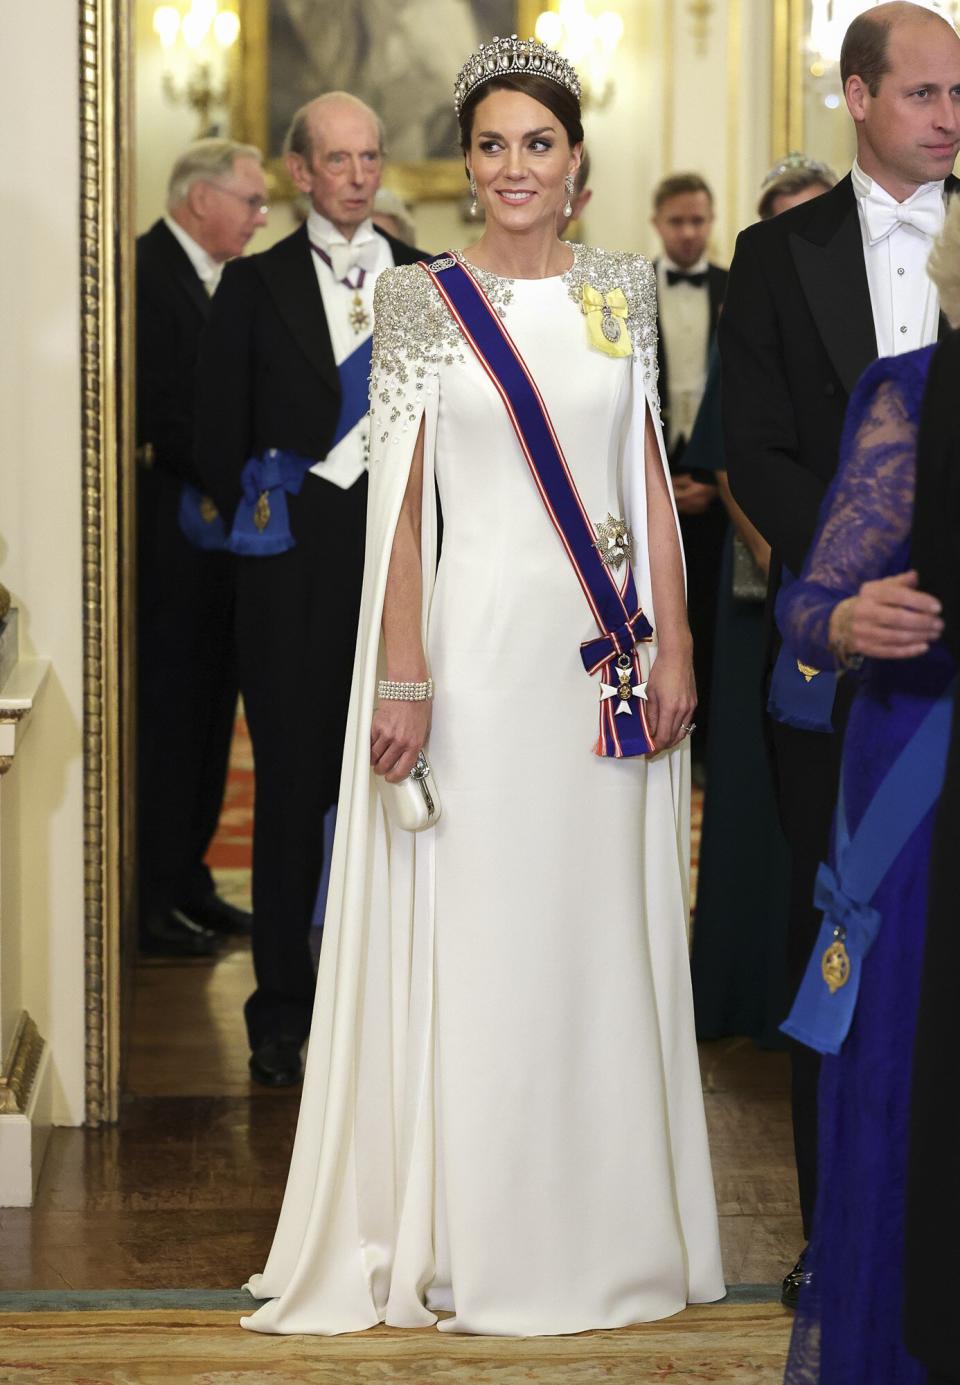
(473, 193)
(568, 205)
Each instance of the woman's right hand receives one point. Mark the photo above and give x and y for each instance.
(887, 619)
(398, 733)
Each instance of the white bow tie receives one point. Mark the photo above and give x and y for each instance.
(345, 257)
(924, 215)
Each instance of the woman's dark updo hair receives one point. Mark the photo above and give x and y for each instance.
(555, 97)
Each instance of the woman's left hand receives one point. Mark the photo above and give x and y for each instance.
(671, 696)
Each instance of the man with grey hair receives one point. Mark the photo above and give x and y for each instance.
(187, 666)
(282, 447)
(815, 295)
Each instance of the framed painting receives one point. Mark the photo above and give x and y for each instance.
(400, 56)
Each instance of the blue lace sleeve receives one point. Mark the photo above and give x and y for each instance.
(864, 524)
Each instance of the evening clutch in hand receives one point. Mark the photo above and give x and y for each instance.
(414, 803)
(749, 583)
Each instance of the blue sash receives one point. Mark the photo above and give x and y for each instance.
(261, 527)
(823, 1010)
(200, 521)
(622, 624)
(800, 696)
(354, 375)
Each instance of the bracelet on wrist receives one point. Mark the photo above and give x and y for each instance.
(841, 645)
(392, 690)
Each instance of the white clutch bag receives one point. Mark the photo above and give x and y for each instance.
(414, 803)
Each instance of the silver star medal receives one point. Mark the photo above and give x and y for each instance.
(613, 541)
(625, 687)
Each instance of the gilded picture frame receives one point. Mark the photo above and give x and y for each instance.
(259, 112)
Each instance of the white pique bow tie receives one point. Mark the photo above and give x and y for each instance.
(345, 257)
(883, 216)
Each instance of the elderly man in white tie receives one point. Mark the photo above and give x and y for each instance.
(282, 447)
(814, 296)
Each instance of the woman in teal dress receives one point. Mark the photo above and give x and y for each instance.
(740, 923)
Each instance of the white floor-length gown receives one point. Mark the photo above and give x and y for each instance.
(502, 1114)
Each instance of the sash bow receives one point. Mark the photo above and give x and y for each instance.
(840, 910)
(261, 527)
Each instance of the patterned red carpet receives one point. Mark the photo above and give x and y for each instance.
(232, 847)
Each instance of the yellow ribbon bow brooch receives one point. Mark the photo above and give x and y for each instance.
(606, 316)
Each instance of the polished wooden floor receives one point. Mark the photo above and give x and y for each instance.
(184, 1192)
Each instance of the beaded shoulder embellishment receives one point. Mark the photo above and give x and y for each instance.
(414, 334)
(634, 274)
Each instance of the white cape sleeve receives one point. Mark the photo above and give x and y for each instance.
(324, 1274)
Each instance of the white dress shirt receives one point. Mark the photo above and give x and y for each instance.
(370, 253)
(684, 313)
(208, 269)
(906, 305)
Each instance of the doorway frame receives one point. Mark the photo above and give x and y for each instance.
(108, 575)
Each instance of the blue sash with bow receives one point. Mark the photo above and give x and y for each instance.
(823, 1010)
(621, 622)
(261, 526)
(800, 696)
(200, 521)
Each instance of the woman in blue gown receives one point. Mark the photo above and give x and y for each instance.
(854, 598)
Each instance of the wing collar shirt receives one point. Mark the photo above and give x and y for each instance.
(684, 312)
(349, 313)
(897, 240)
(208, 269)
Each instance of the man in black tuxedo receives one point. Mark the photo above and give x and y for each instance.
(690, 293)
(187, 666)
(814, 296)
(933, 1190)
(283, 371)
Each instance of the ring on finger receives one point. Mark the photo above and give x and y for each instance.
(687, 729)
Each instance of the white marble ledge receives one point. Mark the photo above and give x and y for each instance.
(17, 699)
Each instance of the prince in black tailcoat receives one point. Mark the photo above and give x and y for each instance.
(268, 378)
(187, 683)
(799, 327)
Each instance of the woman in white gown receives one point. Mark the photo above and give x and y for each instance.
(502, 1116)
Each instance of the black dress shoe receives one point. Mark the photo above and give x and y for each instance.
(220, 917)
(794, 1282)
(170, 933)
(276, 1062)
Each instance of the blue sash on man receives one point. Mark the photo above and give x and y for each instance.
(622, 624)
(261, 526)
(823, 1010)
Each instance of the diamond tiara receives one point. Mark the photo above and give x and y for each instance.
(796, 162)
(512, 57)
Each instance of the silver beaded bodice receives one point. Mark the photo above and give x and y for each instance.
(414, 334)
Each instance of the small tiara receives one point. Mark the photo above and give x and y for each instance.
(796, 162)
(510, 57)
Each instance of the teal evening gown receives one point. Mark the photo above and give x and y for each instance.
(740, 922)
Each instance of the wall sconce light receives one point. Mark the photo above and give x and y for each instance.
(196, 39)
(588, 41)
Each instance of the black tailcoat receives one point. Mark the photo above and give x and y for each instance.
(267, 378)
(703, 534)
(796, 333)
(933, 1187)
(187, 662)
